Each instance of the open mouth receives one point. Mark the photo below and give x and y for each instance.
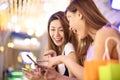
(58, 40)
(74, 30)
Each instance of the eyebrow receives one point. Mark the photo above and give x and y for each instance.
(58, 27)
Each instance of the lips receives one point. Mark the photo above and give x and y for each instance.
(58, 40)
(74, 30)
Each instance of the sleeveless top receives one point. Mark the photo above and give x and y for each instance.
(90, 52)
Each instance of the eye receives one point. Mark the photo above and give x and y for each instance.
(52, 29)
(61, 29)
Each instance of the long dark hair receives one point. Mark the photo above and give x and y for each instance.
(69, 36)
(93, 18)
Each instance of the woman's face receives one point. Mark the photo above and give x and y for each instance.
(77, 24)
(56, 32)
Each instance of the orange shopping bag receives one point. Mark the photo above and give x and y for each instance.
(91, 68)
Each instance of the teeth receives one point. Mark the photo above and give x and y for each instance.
(57, 39)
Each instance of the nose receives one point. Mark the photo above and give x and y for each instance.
(56, 33)
(70, 28)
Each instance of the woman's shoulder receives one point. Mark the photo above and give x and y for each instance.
(68, 48)
(69, 43)
(108, 31)
(101, 37)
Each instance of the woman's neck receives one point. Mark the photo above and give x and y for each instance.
(92, 33)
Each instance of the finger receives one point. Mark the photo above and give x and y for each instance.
(24, 70)
(50, 52)
(27, 74)
(43, 60)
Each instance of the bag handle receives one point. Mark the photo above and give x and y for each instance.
(106, 54)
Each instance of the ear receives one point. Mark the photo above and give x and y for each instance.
(79, 15)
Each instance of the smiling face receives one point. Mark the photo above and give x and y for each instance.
(56, 32)
(77, 24)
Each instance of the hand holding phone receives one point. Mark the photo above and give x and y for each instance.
(24, 69)
(43, 68)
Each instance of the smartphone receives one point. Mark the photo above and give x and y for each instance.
(32, 60)
(43, 69)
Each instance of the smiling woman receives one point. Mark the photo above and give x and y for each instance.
(61, 39)
(56, 32)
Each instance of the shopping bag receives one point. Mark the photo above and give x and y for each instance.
(91, 68)
(111, 71)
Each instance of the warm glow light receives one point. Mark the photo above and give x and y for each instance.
(1, 48)
(27, 15)
(30, 32)
(27, 66)
(27, 41)
(19, 59)
(11, 45)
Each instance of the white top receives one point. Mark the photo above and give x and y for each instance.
(67, 49)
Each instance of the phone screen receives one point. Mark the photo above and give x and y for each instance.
(32, 60)
(43, 69)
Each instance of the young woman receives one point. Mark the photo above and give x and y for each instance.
(60, 42)
(60, 39)
(92, 29)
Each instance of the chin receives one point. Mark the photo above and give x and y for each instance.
(58, 44)
(82, 37)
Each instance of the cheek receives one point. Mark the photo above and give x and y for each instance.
(62, 34)
(51, 34)
(74, 23)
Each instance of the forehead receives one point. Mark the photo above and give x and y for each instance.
(69, 14)
(55, 24)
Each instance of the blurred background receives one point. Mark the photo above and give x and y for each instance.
(23, 30)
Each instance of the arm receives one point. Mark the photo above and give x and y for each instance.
(72, 56)
(52, 74)
(69, 51)
(33, 75)
(74, 67)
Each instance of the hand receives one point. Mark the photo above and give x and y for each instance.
(50, 53)
(51, 74)
(33, 74)
(53, 61)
